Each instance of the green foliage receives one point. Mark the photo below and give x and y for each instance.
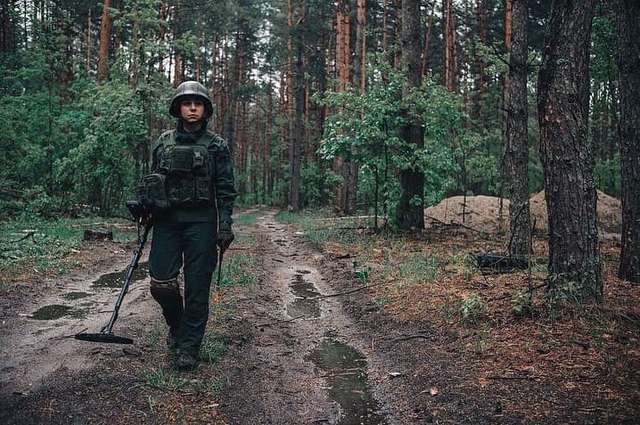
(238, 270)
(419, 269)
(607, 175)
(472, 309)
(43, 244)
(521, 303)
(213, 347)
(246, 218)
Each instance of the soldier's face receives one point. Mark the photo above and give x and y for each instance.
(192, 110)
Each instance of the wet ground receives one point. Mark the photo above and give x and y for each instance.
(306, 363)
(303, 345)
(37, 336)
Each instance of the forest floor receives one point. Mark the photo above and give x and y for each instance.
(323, 321)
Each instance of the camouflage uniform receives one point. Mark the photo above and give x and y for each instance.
(185, 236)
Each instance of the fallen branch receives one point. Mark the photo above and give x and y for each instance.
(452, 224)
(281, 321)
(410, 337)
(28, 235)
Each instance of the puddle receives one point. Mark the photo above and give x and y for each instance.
(345, 371)
(305, 304)
(71, 296)
(51, 312)
(116, 280)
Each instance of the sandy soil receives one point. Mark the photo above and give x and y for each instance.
(484, 214)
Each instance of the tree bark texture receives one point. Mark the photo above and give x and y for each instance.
(297, 120)
(628, 17)
(410, 212)
(517, 147)
(449, 45)
(105, 32)
(7, 27)
(566, 153)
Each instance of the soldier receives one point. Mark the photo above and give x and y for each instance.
(190, 194)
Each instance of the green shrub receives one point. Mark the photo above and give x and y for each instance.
(472, 309)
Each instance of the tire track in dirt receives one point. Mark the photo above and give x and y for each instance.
(306, 362)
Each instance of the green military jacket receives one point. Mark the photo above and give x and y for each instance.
(222, 179)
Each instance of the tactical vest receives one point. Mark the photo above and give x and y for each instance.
(181, 178)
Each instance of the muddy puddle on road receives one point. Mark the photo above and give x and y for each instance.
(116, 279)
(72, 296)
(305, 302)
(56, 311)
(345, 373)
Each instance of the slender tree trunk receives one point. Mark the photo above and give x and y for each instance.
(410, 212)
(89, 42)
(105, 32)
(480, 75)
(7, 27)
(297, 120)
(346, 191)
(427, 39)
(449, 44)
(517, 147)
(628, 18)
(566, 153)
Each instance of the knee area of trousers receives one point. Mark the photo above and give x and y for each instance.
(164, 287)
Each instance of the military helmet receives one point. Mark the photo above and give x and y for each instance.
(191, 89)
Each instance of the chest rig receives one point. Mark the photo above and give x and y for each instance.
(182, 177)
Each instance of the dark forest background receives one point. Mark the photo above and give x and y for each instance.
(382, 106)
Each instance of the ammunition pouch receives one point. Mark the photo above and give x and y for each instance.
(181, 179)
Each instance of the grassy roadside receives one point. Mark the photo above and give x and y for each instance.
(168, 392)
(36, 248)
(502, 328)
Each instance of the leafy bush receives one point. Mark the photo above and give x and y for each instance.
(521, 303)
(472, 309)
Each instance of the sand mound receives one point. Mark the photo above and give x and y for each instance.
(483, 213)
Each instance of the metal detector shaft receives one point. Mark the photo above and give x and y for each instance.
(127, 280)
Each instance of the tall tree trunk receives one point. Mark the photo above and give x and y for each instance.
(105, 32)
(480, 75)
(628, 18)
(517, 147)
(7, 27)
(566, 153)
(346, 195)
(88, 42)
(297, 120)
(410, 212)
(449, 44)
(427, 39)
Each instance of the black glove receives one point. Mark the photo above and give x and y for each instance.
(225, 236)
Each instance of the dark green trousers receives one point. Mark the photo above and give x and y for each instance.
(191, 246)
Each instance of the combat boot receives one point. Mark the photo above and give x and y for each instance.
(185, 361)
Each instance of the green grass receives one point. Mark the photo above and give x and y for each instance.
(238, 270)
(418, 268)
(246, 219)
(42, 244)
(168, 380)
(164, 379)
(213, 347)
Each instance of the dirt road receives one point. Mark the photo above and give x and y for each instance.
(295, 355)
(301, 342)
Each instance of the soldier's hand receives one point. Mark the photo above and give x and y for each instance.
(225, 236)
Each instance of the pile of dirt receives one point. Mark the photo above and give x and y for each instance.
(483, 213)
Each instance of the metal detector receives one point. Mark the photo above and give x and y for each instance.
(106, 335)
